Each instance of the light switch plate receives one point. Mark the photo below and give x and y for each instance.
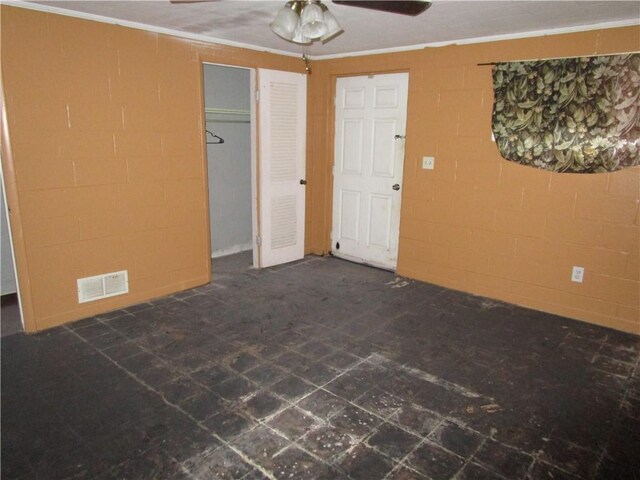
(428, 163)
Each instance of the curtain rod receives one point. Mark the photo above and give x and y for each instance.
(557, 58)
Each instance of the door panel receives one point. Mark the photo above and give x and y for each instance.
(386, 97)
(349, 215)
(352, 151)
(384, 145)
(379, 220)
(282, 139)
(353, 97)
(369, 154)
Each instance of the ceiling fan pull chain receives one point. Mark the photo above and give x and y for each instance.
(305, 59)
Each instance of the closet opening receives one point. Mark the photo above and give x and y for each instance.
(230, 131)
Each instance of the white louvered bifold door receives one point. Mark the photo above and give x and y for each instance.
(283, 110)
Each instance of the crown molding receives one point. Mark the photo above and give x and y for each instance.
(492, 38)
(142, 26)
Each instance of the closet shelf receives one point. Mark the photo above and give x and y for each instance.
(219, 115)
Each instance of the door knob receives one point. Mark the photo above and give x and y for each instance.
(396, 187)
(303, 182)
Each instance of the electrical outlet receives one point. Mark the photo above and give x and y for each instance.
(428, 163)
(577, 275)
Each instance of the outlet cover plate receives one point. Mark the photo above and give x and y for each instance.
(428, 163)
(577, 274)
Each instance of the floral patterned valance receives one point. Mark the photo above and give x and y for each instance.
(576, 115)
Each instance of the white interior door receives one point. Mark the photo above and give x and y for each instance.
(371, 117)
(282, 144)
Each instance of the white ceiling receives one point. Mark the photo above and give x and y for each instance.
(246, 22)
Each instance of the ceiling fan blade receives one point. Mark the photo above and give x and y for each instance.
(408, 7)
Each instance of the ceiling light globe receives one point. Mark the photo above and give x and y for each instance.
(312, 21)
(333, 27)
(285, 23)
(300, 38)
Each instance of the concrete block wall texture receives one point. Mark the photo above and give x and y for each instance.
(104, 158)
(479, 223)
(106, 171)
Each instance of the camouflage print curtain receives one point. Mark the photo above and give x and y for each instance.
(576, 115)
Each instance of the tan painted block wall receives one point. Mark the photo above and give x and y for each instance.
(104, 158)
(478, 223)
(106, 171)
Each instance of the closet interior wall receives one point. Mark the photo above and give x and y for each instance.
(227, 103)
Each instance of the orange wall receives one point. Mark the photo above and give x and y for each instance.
(103, 158)
(478, 223)
(104, 166)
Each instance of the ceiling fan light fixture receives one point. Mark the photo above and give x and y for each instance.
(305, 21)
(300, 38)
(286, 22)
(312, 21)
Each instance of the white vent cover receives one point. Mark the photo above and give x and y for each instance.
(102, 286)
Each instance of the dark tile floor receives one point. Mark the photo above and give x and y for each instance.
(321, 370)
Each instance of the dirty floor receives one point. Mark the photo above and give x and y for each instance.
(321, 370)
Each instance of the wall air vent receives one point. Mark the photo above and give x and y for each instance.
(102, 286)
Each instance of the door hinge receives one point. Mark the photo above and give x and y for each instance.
(259, 240)
(257, 95)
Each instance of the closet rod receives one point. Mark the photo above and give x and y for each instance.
(226, 111)
(228, 121)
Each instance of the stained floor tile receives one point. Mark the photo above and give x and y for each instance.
(327, 442)
(473, 471)
(220, 463)
(503, 460)
(393, 441)
(292, 422)
(355, 421)
(322, 403)
(364, 463)
(265, 374)
(456, 439)
(291, 387)
(262, 405)
(295, 463)
(234, 389)
(261, 444)
(228, 424)
(435, 462)
(324, 370)
(404, 473)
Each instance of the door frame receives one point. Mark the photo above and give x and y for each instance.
(331, 145)
(6, 217)
(14, 226)
(255, 226)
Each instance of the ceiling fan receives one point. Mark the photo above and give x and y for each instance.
(305, 21)
(412, 8)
